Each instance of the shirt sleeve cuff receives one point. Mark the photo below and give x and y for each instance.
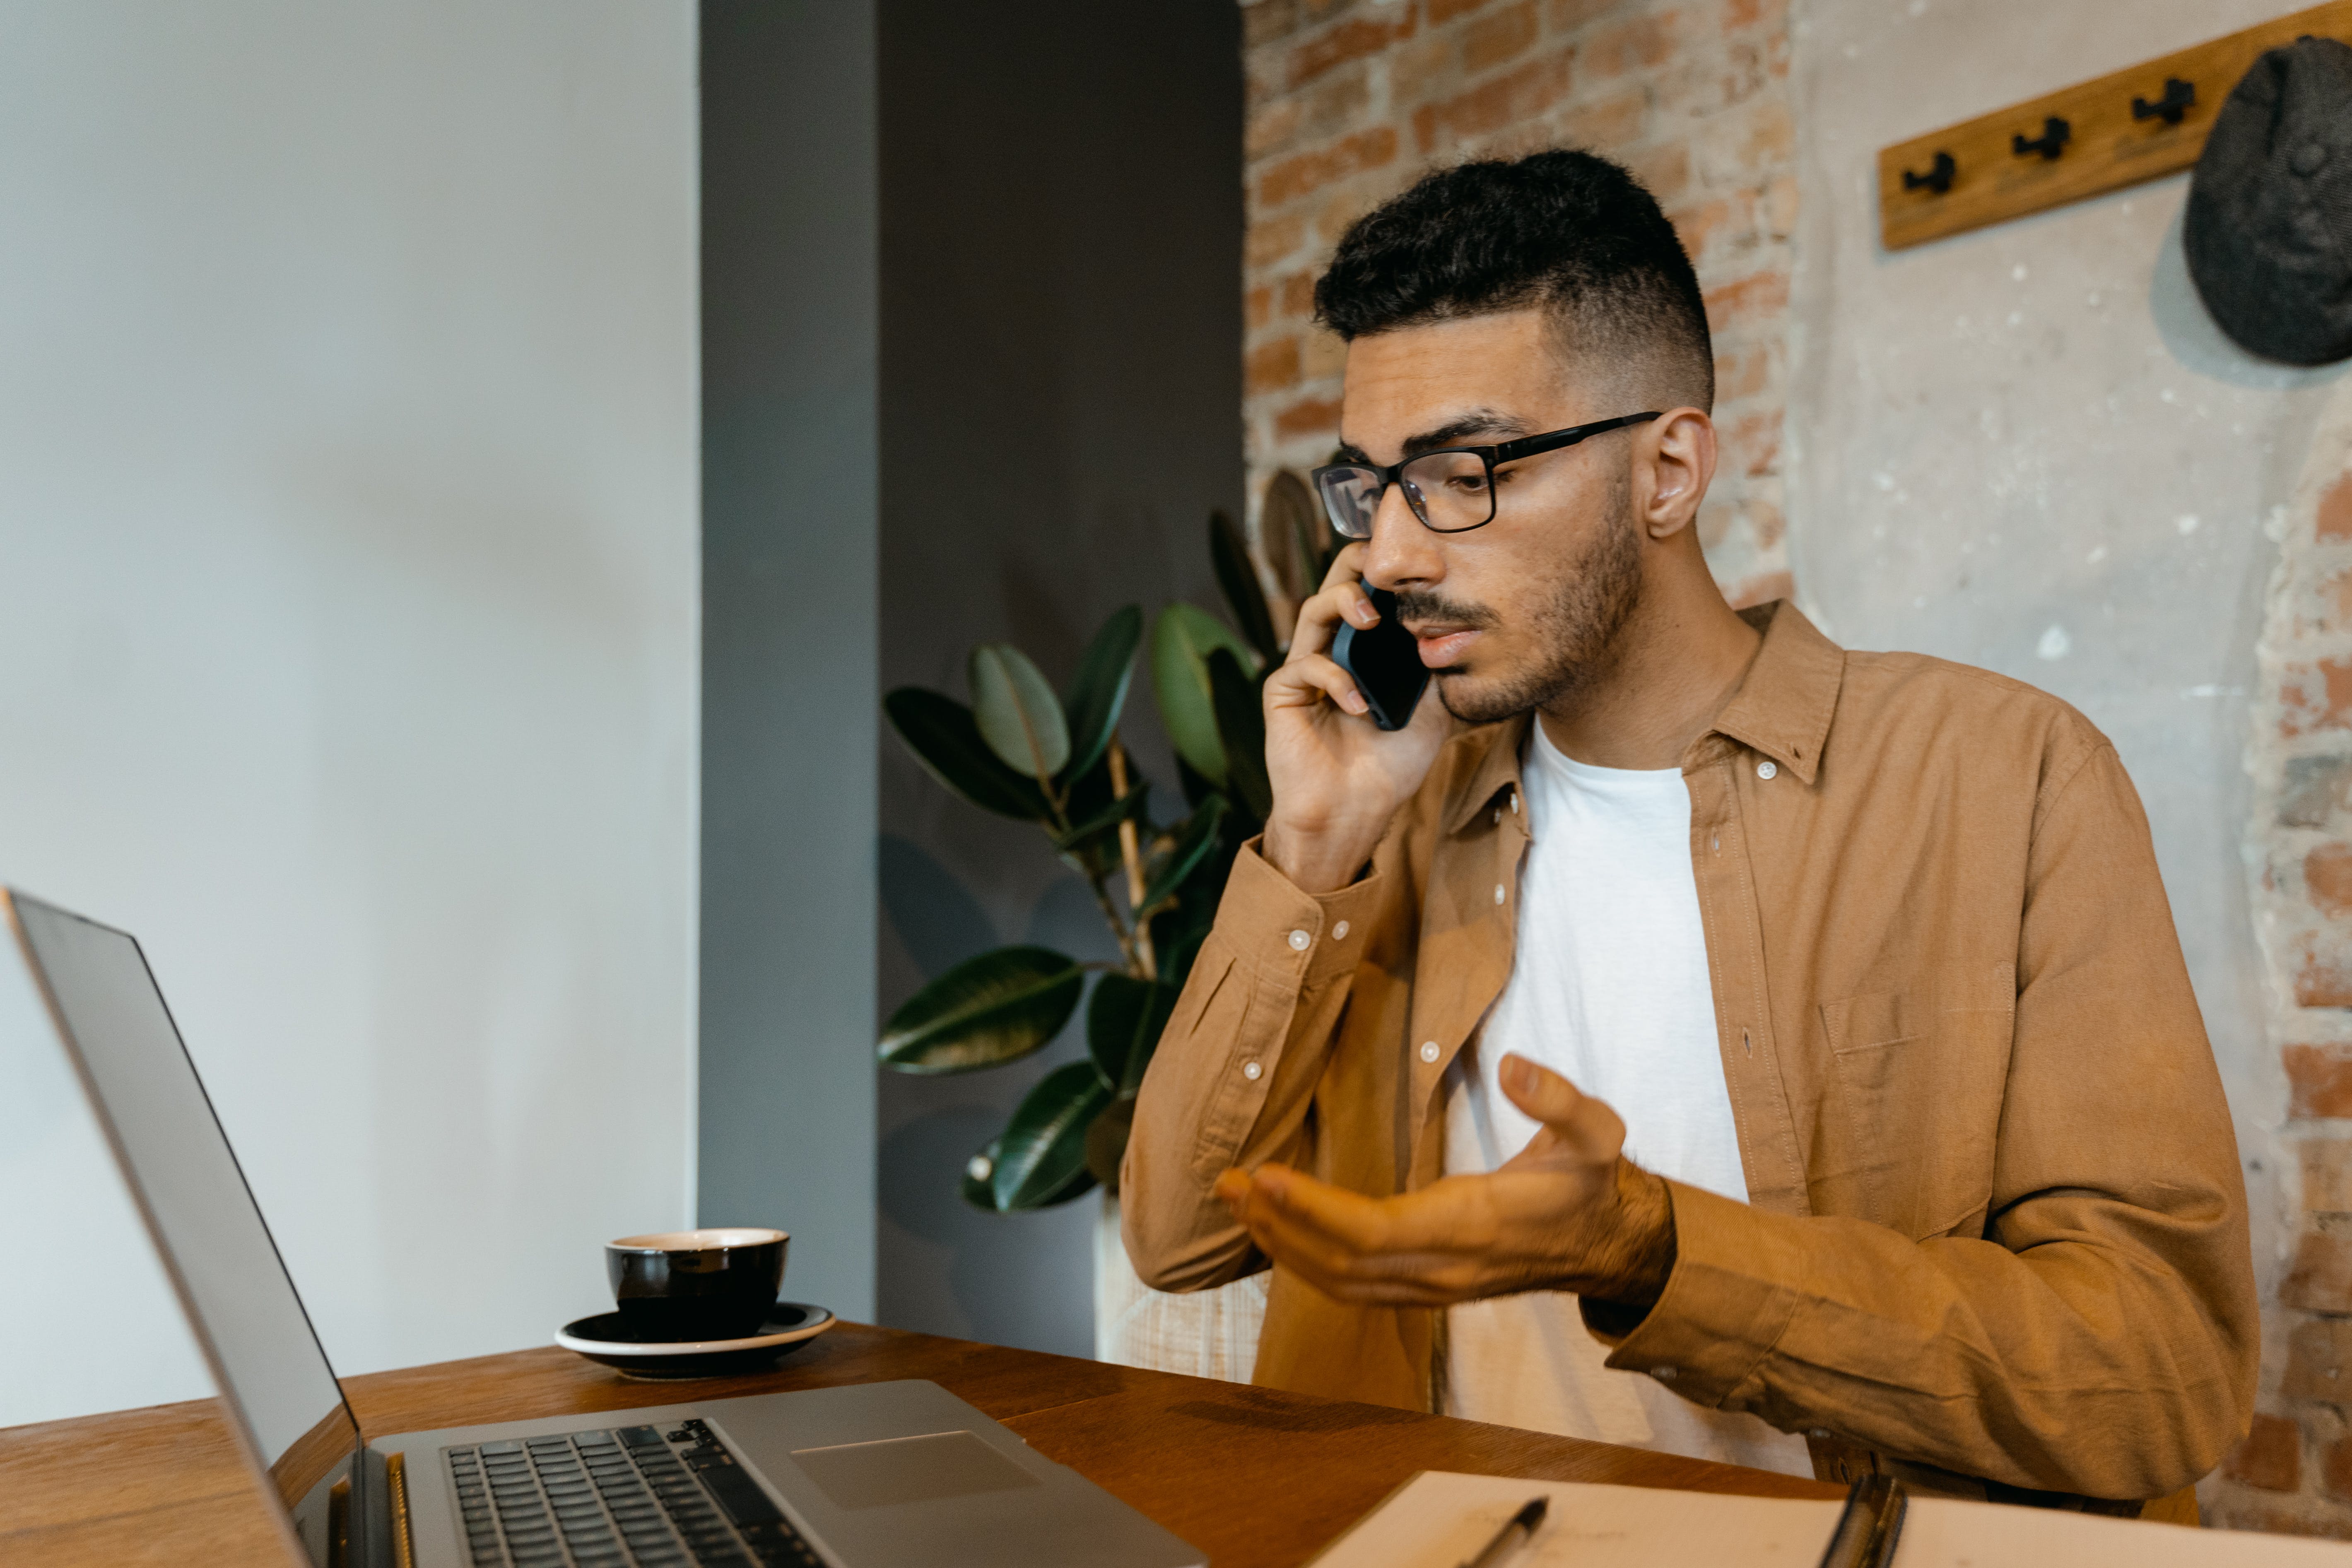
(1725, 1304)
(1287, 936)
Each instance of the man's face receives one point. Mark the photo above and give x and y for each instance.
(1529, 608)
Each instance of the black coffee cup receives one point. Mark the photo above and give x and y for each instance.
(696, 1284)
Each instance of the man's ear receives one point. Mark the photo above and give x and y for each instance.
(1674, 462)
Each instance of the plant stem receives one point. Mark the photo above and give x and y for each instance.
(1131, 853)
(1119, 928)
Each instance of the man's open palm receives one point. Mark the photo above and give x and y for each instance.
(1566, 1213)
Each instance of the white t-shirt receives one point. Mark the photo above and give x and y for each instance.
(1608, 989)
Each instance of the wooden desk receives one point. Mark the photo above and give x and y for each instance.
(1250, 1476)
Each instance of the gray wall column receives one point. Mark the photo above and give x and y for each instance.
(790, 458)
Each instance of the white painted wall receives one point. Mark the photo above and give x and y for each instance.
(347, 638)
(2029, 448)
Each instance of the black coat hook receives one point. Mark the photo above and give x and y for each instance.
(2055, 134)
(1938, 179)
(2180, 98)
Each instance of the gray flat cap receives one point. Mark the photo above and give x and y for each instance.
(2269, 226)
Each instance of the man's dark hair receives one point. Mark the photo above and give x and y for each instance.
(1565, 231)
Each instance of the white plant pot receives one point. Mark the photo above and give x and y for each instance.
(1204, 1333)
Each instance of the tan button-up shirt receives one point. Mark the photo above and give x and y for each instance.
(1995, 1223)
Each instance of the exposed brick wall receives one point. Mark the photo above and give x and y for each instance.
(2294, 1471)
(1350, 101)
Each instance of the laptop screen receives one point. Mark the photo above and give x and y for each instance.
(273, 1374)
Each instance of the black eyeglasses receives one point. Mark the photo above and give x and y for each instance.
(1451, 490)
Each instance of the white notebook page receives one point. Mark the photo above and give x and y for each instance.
(1440, 1520)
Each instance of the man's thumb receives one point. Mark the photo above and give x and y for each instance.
(1584, 1125)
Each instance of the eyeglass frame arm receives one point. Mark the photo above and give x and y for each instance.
(1550, 441)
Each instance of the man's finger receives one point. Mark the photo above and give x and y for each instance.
(1347, 566)
(1585, 1127)
(1341, 597)
(1316, 625)
(1450, 1217)
(1303, 1249)
(1396, 1278)
(1306, 681)
(1351, 1219)
(1330, 1265)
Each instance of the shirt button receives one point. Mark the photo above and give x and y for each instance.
(1766, 769)
(1339, 932)
(1298, 941)
(1429, 1050)
(1250, 1071)
(1500, 894)
(1819, 1431)
(1514, 803)
(1498, 817)
(1665, 1374)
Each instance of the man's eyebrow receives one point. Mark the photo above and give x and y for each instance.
(1457, 432)
(1454, 432)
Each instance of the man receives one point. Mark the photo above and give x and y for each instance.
(1923, 1162)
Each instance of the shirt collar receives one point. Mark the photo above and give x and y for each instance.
(1497, 770)
(1781, 707)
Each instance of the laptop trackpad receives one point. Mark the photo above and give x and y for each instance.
(910, 1470)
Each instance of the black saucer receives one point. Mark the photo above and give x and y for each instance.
(609, 1341)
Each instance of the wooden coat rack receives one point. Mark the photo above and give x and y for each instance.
(2082, 140)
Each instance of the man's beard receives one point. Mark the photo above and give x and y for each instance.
(1576, 634)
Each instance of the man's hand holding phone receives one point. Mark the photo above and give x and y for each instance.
(1337, 777)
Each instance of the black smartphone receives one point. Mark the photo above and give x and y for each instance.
(1385, 661)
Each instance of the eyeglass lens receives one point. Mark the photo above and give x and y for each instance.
(1448, 492)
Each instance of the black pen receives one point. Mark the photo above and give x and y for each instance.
(1511, 1537)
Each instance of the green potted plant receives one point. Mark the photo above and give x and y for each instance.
(1024, 751)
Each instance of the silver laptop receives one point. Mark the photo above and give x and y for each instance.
(873, 1474)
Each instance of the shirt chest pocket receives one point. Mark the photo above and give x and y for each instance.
(1916, 1104)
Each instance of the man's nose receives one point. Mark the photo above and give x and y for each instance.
(1403, 553)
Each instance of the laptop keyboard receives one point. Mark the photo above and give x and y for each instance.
(630, 1497)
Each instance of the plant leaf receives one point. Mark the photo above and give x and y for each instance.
(1042, 1151)
(1196, 788)
(1106, 820)
(1081, 1182)
(1124, 1017)
(1106, 1141)
(1098, 691)
(1091, 848)
(1241, 727)
(1199, 837)
(1017, 712)
(1183, 921)
(1288, 521)
(1237, 577)
(1181, 642)
(977, 1192)
(995, 1008)
(1177, 936)
(944, 737)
